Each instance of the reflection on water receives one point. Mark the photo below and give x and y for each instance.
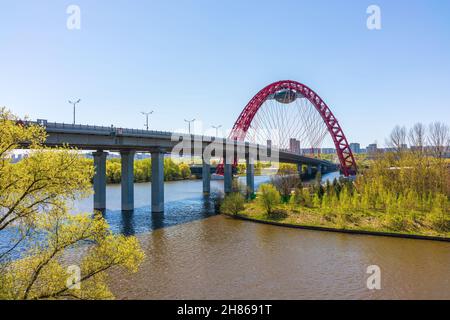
(184, 202)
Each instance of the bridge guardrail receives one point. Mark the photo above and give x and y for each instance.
(124, 131)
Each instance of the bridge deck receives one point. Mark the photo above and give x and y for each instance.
(89, 137)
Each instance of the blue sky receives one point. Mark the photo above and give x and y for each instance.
(206, 59)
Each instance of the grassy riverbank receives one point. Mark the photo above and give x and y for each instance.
(404, 192)
(369, 221)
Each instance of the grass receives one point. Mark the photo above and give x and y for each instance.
(367, 221)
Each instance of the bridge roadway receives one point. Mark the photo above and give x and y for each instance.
(158, 143)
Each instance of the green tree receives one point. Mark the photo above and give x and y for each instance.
(185, 170)
(297, 198)
(232, 204)
(268, 197)
(316, 202)
(439, 217)
(34, 196)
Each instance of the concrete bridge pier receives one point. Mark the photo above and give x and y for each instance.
(157, 182)
(299, 169)
(227, 177)
(309, 170)
(250, 165)
(127, 180)
(206, 176)
(100, 180)
(319, 168)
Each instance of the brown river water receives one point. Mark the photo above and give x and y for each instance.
(193, 253)
(223, 258)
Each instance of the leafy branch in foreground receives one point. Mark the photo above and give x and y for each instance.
(34, 197)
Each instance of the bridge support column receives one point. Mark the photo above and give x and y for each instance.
(299, 169)
(206, 176)
(309, 170)
(250, 177)
(319, 168)
(127, 180)
(100, 180)
(227, 177)
(157, 182)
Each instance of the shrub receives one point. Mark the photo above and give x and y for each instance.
(185, 170)
(395, 222)
(297, 198)
(439, 218)
(341, 219)
(232, 204)
(285, 183)
(268, 198)
(438, 222)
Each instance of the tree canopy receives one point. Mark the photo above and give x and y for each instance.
(48, 241)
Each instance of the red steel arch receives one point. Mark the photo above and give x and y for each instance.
(241, 126)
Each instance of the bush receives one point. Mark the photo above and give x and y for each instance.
(185, 170)
(438, 222)
(395, 222)
(341, 219)
(286, 183)
(232, 204)
(297, 198)
(438, 218)
(268, 198)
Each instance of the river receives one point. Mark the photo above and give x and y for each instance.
(193, 253)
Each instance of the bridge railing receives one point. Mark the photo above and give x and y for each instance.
(58, 125)
(142, 132)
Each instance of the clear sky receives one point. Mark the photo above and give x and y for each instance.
(205, 59)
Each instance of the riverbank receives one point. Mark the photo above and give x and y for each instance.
(365, 224)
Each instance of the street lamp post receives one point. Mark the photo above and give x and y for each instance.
(146, 114)
(189, 124)
(217, 129)
(74, 107)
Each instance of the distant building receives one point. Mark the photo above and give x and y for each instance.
(355, 147)
(372, 148)
(294, 145)
(328, 151)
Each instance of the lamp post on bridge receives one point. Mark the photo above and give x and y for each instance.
(217, 129)
(189, 128)
(74, 108)
(189, 124)
(146, 114)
